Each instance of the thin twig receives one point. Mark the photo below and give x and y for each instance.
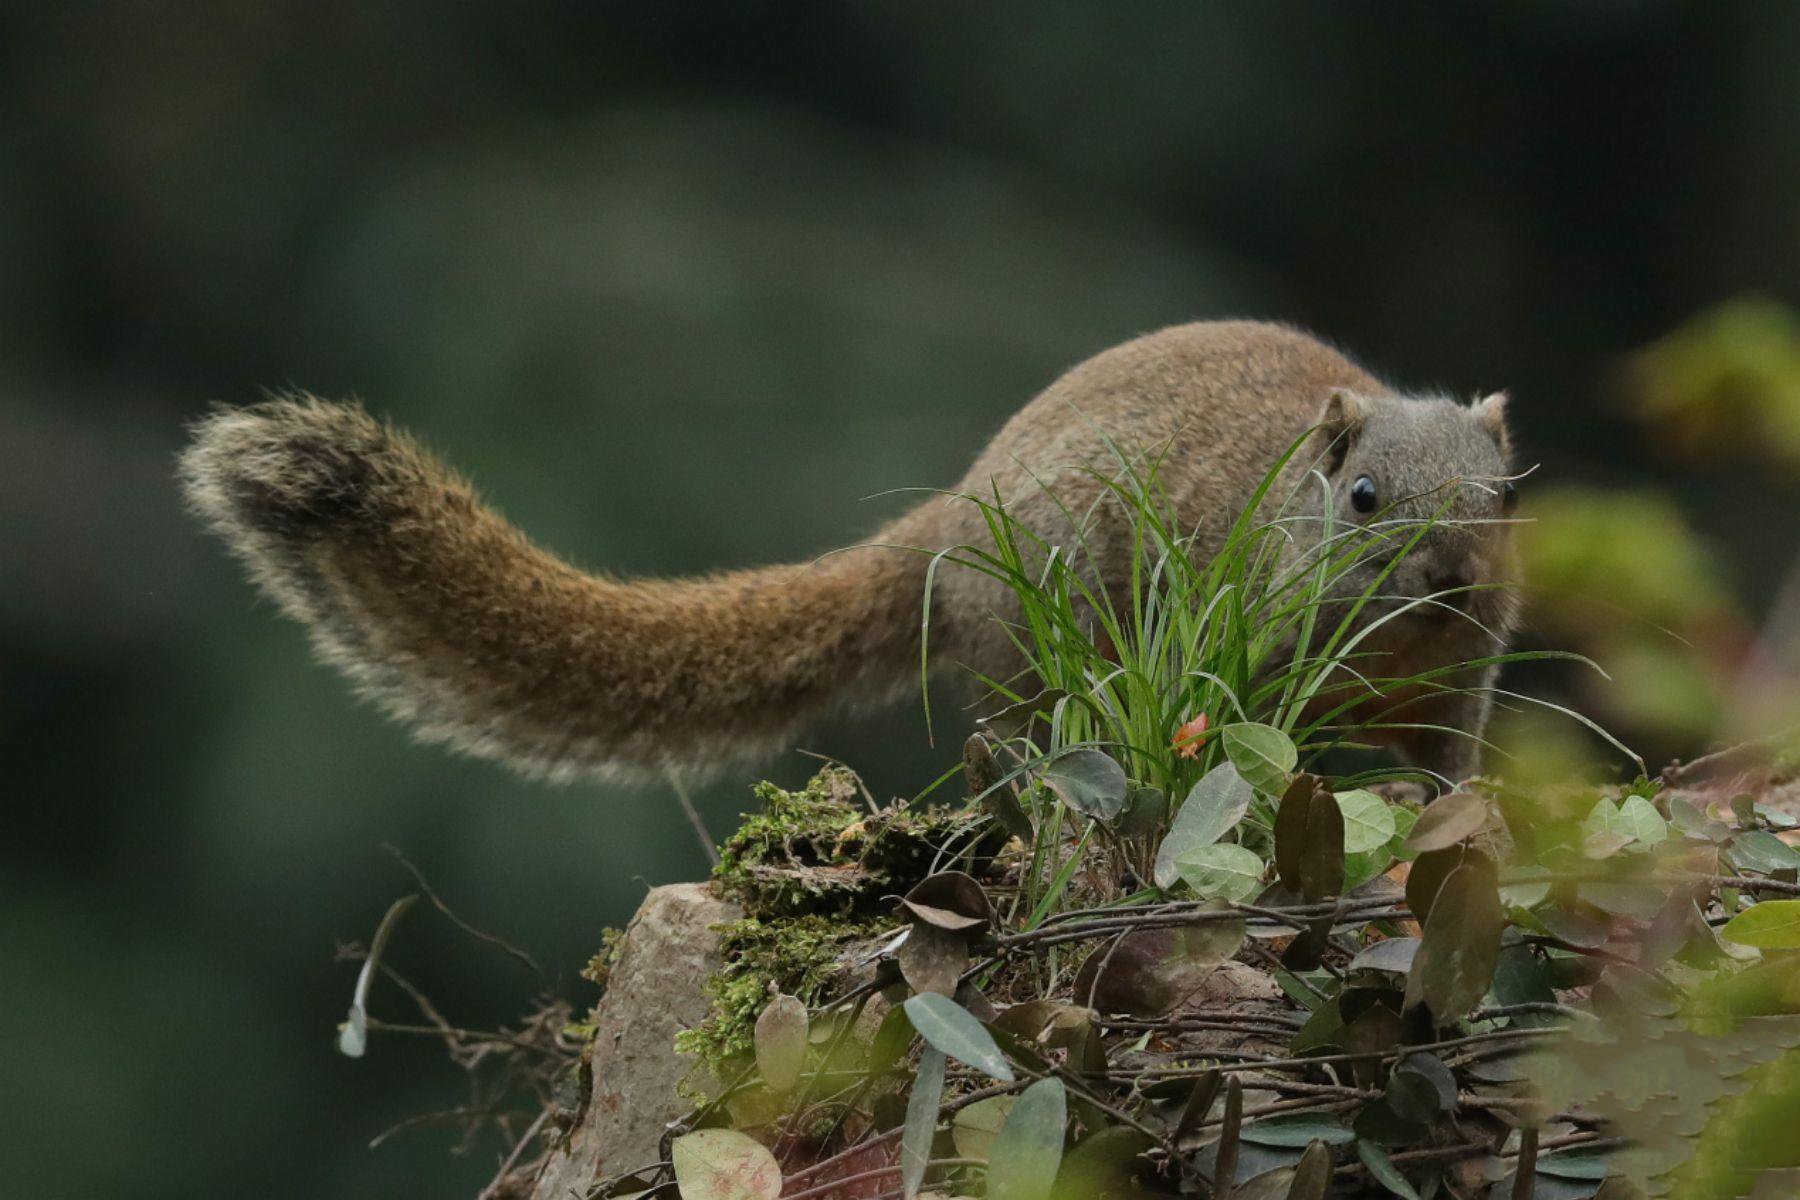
(819, 1189)
(437, 901)
(1743, 883)
(531, 1131)
(431, 1118)
(949, 1108)
(1301, 1063)
(470, 1035)
(693, 815)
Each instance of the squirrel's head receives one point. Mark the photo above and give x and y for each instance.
(1401, 467)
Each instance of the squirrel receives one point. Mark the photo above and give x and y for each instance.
(454, 622)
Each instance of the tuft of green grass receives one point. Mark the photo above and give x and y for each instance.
(1270, 630)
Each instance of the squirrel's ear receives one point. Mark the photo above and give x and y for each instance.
(1340, 423)
(1490, 413)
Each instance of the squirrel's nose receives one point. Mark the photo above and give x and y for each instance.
(1455, 581)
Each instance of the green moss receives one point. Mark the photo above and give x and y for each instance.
(814, 870)
(600, 967)
(598, 971)
(817, 851)
(797, 955)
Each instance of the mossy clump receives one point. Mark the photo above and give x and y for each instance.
(598, 972)
(796, 955)
(812, 870)
(815, 851)
(600, 967)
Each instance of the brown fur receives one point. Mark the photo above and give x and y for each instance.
(455, 622)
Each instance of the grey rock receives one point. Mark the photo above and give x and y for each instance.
(656, 990)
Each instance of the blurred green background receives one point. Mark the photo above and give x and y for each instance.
(682, 285)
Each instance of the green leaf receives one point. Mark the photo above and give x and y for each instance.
(921, 1120)
(1378, 1123)
(1221, 872)
(1524, 895)
(1262, 754)
(1520, 978)
(1405, 820)
(1360, 868)
(1646, 824)
(1686, 817)
(951, 1028)
(975, 1127)
(1639, 901)
(1325, 1027)
(1770, 925)
(1146, 812)
(1743, 809)
(1295, 1131)
(1368, 821)
(1390, 954)
(1199, 1103)
(1610, 827)
(780, 1040)
(723, 1164)
(1213, 807)
(1383, 1170)
(1090, 782)
(1578, 926)
(1412, 1098)
(1296, 990)
(1760, 850)
(1103, 1166)
(1024, 1158)
(893, 1037)
(1573, 1166)
(1436, 1076)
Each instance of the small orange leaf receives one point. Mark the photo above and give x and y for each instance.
(1187, 739)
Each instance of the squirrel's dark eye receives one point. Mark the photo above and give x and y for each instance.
(1362, 494)
(1509, 498)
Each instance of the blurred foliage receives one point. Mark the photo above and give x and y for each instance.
(1727, 380)
(1623, 575)
(679, 286)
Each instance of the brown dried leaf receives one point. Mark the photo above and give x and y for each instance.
(932, 959)
(1461, 946)
(983, 776)
(1291, 816)
(951, 900)
(1447, 821)
(1431, 869)
(1147, 972)
(1309, 840)
(1313, 1174)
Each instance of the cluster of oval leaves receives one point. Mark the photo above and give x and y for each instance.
(1487, 939)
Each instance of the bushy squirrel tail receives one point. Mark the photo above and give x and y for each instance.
(454, 622)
